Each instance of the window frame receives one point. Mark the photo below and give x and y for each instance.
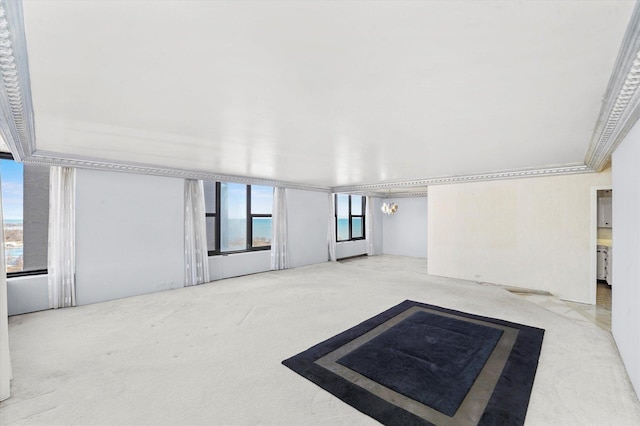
(351, 216)
(249, 218)
(30, 272)
(216, 223)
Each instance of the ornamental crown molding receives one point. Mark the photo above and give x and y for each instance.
(17, 118)
(619, 113)
(17, 124)
(385, 196)
(620, 106)
(54, 159)
(417, 194)
(476, 177)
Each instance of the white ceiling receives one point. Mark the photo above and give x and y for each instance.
(322, 93)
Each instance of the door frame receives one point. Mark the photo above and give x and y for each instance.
(593, 275)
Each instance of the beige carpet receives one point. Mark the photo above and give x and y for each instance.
(210, 355)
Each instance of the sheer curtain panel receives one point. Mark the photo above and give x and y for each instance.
(195, 234)
(369, 226)
(61, 262)
(5, 360)
(332, 228)
(280, 230)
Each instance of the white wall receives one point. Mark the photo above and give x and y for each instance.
(532, 233)
(27, 294)
(626, 253)
(308, 216)
(130, 240)
(237, 264)
(351, 248)
(405, 233)
(129, 235)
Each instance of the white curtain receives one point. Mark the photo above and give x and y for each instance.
(195, 234)
(62, 237)
(368, 218)
(5, 360)
(332, 228)
(280, 230)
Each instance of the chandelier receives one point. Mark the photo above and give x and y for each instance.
(389, 209)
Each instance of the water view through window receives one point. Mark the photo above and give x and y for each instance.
(11, 174)
(349, 217)
(233, 230)
(342, 214)
(261, 204)
(233, 216)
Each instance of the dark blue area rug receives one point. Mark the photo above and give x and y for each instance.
(418, 364)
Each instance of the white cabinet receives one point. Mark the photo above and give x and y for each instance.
(604, 264)
(604, 212)
(609, 269)
(602, 259)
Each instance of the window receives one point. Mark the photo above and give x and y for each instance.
(238, 217)
(260, 207)
(349, 217)
(233, 217)
(25, 201)
(210, 207)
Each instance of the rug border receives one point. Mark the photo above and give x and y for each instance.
(507, 392)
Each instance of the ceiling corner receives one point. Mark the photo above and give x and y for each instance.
(621, 103)
(16, 111)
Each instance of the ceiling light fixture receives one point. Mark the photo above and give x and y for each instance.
(389, 209)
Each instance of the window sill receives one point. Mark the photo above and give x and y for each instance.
(350, 241)
(27, 273)
(232, 253)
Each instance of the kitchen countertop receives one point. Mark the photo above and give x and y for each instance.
(604, 242)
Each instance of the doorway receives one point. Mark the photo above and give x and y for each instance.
(601, 276)
(604, 248)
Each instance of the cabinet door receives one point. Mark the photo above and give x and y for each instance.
(609, 267)
(602, 258)
(604, 212)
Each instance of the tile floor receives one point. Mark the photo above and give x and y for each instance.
(598, 314)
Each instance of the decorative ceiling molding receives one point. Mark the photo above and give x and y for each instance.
(16, 111)
(17, 122)
(510, 174)
(55, 159)
(406, 194)
(17, 118)
(620, 106)
(385, 195)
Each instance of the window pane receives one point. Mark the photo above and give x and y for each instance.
(233, 217)
(356, 205)
(342, 211)
(261, 231)
(12, 196)
(209, 197)
(342, 207)
(356, 229)
(261, 199)
(211, 233)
